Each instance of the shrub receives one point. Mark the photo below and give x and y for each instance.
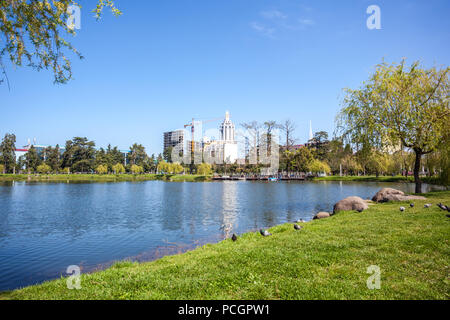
(318, 166)
(118, 168)
(135, 169)
(66, 170)
(163, 167)
(176, 168)
(204, 169)
(43, 168)
(101, 169)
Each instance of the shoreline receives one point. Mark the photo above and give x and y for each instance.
(102, 178)
(191, 178)
(409, 179)
(327, 259)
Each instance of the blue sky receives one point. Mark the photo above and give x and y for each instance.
(164, 62)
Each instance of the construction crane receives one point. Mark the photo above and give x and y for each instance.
(192, 125)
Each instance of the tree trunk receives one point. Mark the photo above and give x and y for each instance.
(417, 170)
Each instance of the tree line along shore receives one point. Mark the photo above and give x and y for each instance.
(103, 177)
(188, 178)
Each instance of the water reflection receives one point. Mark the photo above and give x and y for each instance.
(229, 208)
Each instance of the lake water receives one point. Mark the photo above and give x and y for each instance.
(45, 227)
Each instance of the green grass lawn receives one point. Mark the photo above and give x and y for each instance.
(100, 177)
(328, 259)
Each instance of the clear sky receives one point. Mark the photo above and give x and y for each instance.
(164, 62)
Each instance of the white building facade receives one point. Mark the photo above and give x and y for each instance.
(224, 150)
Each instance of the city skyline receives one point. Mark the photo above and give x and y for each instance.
(168, 139)
(275, 60)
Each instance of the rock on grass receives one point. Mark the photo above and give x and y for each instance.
(349, 204)
(390, 194)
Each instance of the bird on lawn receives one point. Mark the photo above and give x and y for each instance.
(402, 209)
(443, 207)
(265, 233)
(297, 227)
(300, 221)
(234, 237)
(427, 205)
(411, 205)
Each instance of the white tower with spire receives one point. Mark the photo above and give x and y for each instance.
(228, 142)
(227, 129)
(310, 131)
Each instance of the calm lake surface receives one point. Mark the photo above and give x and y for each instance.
(46, 227)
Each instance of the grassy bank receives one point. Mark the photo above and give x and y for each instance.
(100, 177)
(328, 259)
(431, 180)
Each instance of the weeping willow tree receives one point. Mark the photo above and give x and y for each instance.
(399, 106)
(444, 160)
(33, 32)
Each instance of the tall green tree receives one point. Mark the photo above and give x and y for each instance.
(137, 155)
(167, 154)
(159, 159)
(320, 145)
(79, 155)
(20, 164)
(32, 159)
(53, 158)
(400, 104)
(7, 153)
(114, 156)
(101, 158)
(285, 159)
(302, 160)
(150, 164)
(444, 161)
(350, 165)
(336, 153)
(378, 163)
